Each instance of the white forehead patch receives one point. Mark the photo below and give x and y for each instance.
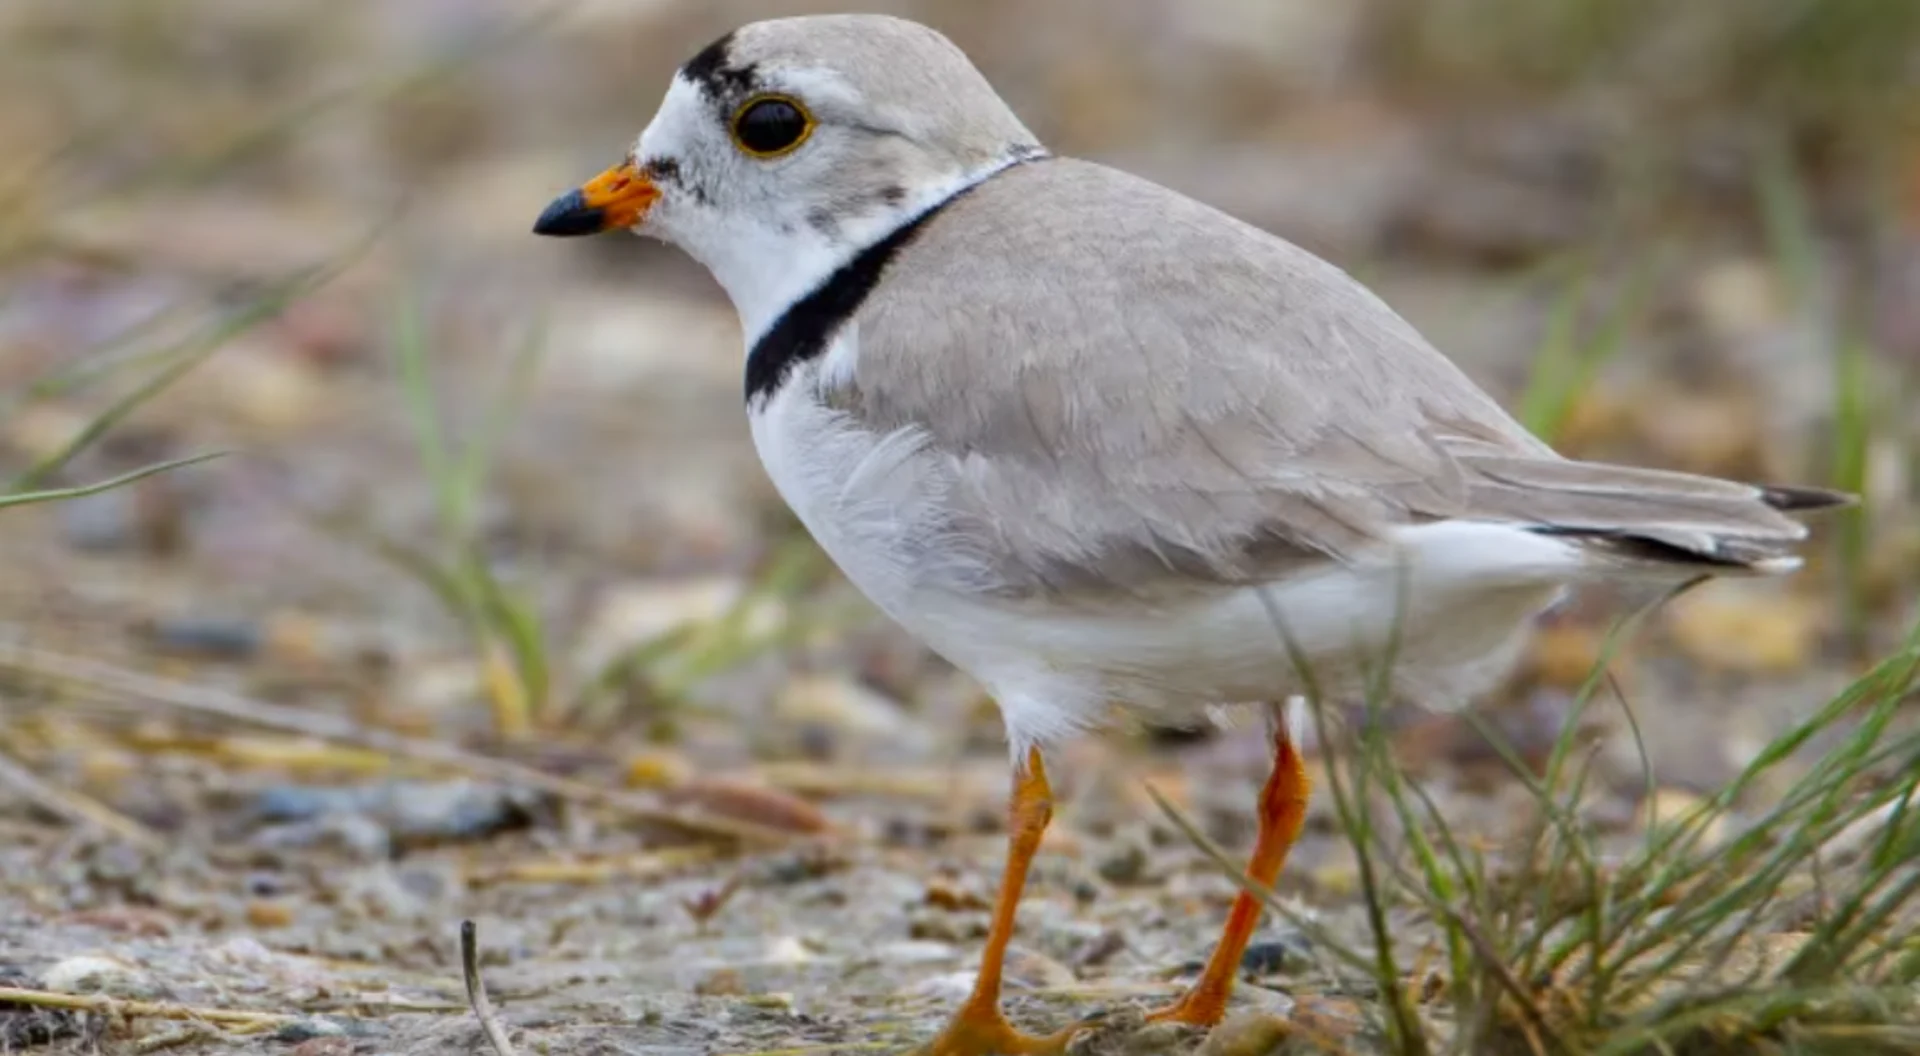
(682, 115)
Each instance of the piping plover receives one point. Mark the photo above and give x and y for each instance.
(1103, 447)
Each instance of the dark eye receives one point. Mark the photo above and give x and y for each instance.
(770, 125)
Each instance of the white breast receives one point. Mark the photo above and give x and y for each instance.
(854, 489)
(875, 503)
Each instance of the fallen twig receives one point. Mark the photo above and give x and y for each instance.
(825, 780)
(73, 806)
(119, 1007)
(176, 1035)
(477, 990)
(646, 865)
(226, 704)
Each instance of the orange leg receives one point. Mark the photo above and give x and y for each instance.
(979, 1029)
(1283, 807)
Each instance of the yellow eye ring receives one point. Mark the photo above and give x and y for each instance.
(767, 126)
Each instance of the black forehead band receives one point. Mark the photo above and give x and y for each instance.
(714, 71)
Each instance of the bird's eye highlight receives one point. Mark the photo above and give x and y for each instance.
(771, 125)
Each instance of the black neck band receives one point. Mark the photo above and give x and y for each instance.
(807, 327)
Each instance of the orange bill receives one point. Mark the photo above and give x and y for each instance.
(617, 198)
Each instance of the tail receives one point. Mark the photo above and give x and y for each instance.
(1634, 519)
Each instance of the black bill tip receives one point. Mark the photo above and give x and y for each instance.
(569, 216)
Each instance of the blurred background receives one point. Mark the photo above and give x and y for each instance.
(495, 493)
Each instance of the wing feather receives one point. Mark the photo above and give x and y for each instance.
(1124, 390)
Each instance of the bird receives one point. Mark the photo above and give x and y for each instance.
(1108, 450)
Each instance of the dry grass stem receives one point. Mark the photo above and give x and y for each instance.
(647, 865)
(477, 990)
(75, 807)
(212, 701)
(230, 1018)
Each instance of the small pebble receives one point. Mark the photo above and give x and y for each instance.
(800, 866)
(653, 769)
(1160, 1039)
(1101, 949)
(411, 812)
(301, 1031)
(1337, 877)
(723, 982)
(206, 638)
(382, 892)
(1031, 969)
(128, 920)
(96, 974)
(100, 523)
(176, 1035)
(948, 987)
(790, 949)
(1327, 1020)
(270, 392)
(1250, 1033)
(850, 711)
(265, 885)
(915, 951)
(1060, 934)
(1739, 299)
(953, 899)
(941, 926)
(41, 430)
(356, 835)
(630, 614)
(1273, 956)
(1124, 865)
(267, 913)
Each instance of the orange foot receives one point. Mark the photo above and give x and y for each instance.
(987, 1033)
(1195, 1008)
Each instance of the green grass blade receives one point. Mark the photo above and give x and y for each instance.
(475, 463)
(24, 498)
(423, 415)
(520, 625)
(184, 358)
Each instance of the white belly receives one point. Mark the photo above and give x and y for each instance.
(874, 503)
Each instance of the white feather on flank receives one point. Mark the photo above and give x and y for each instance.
(842, 360)
(1295, 719)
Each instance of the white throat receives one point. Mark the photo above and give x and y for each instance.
(766, 271)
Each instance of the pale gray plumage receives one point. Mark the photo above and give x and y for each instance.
(1092, 439)
(911, 83)
(1137, 393)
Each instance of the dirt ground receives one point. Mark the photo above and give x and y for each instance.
(177, 833)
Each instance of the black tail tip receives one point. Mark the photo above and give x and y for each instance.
(1799, 498)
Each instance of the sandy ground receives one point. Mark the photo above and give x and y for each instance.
(320, 885)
